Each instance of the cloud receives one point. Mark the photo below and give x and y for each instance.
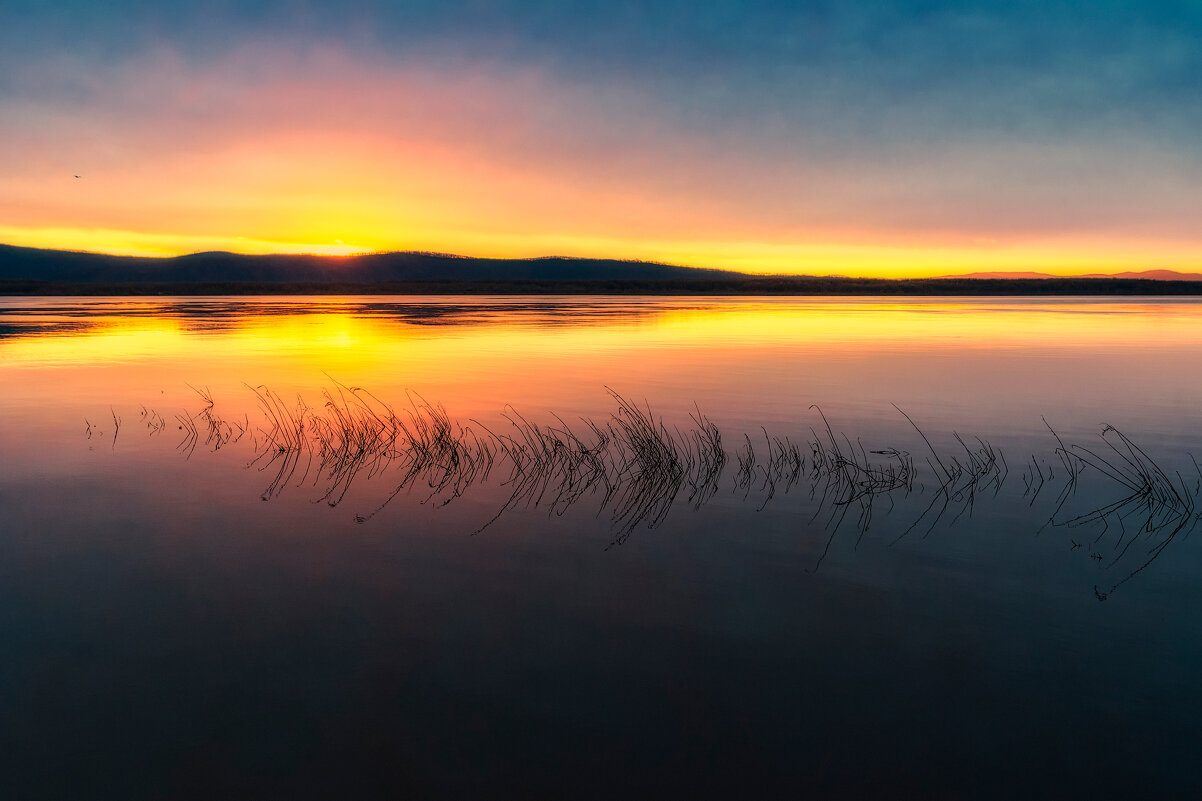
(773, 124)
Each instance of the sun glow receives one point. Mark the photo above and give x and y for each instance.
(857, 259)
(320, 188)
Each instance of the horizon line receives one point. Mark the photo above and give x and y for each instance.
(1149, 274)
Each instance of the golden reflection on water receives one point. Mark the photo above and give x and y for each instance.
(141, 339)
(972, 324)
(337, 326)
(477, 354)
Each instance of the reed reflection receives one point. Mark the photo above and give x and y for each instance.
(1120, 507)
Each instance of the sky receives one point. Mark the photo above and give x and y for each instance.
(908, 138)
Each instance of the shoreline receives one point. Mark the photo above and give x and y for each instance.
(772, 285)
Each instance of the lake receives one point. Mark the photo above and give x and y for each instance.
(580, 546)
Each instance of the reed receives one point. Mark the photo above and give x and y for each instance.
(154, 422)
(636, 467)
(116, 425)
(285, 441)
(1161, 505)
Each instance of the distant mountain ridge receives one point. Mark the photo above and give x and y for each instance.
(1145, 275)
(220, 267)
(34, 264)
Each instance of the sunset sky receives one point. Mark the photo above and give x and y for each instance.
(919, 137)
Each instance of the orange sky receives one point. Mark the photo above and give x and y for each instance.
(321, 152)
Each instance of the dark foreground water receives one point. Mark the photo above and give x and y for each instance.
(497, 547)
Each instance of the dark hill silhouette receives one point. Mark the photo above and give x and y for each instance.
(18, 263)
(1141, 275)
(30, 271)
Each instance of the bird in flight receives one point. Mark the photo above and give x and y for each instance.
(77, 176)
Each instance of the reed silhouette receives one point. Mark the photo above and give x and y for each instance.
(635, 467)
(1161, 506)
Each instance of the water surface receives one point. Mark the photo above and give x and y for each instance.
(180, 621)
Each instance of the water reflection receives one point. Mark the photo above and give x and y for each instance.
(219, 314)
(636, 467)
(894, 596)
(973, 319)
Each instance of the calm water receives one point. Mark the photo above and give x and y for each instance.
(573, 547)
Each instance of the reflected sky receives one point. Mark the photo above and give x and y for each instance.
(1000, 369)
(1000, 362)
(158, 606)
(865, 324)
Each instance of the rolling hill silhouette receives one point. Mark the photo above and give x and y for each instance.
(1139, 275)
(33, 271)
(32, 264)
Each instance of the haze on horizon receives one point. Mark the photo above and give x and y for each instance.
(909, 138)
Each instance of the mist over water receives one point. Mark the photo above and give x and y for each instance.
(445, 546)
